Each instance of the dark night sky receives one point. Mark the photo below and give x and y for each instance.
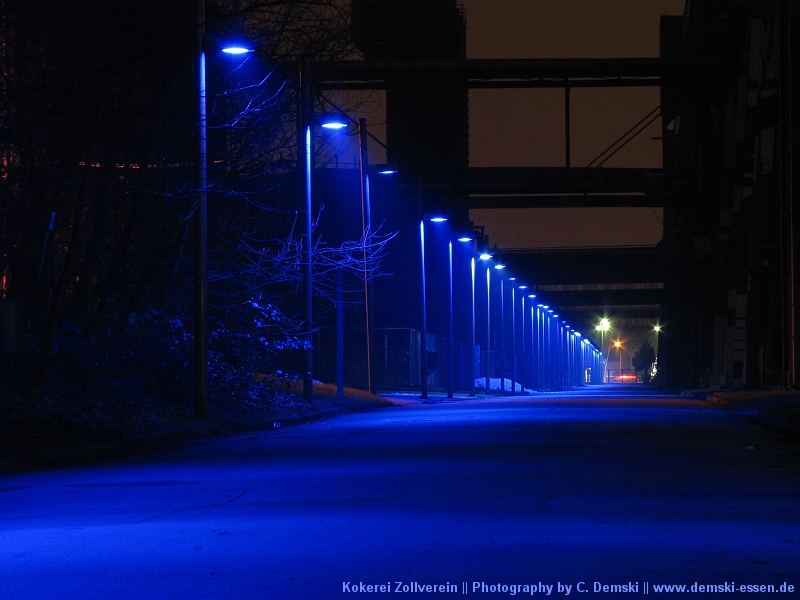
(525, 127)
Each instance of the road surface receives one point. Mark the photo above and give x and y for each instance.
(608, 487)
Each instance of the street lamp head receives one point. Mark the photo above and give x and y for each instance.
(657, 328)
(387, 170)
(500, 267)
(485, 256)
(512, 278)
(617, 344)
(532, 296)
(604, 325)
(523, 287)
(235, 50)
(464, 239)
(438, 219)
(333, 122)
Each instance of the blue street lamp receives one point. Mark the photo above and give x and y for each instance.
(488, 322)
(201, 221)
(236, 50)
(548, 343)
(522, 367)
(502, 342)
(334, 125)
(528, 368)
(451, 346)
(468, 239)
(337, 122)
(540, 354)
(423, 346)
(304, 167)
(514, 339)
(474, 341)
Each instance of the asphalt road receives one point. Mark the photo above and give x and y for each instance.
(603, 487)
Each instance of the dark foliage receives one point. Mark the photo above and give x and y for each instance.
(643, 359)
(98, 188)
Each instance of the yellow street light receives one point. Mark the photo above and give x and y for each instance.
(618, 346)
(657, 330)
(603, 326)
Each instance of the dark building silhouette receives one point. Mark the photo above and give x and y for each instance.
(426, 114)
(731, 248)
(427, 134)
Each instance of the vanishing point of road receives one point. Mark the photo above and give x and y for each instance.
(609, 486)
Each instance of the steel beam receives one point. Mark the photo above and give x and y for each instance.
(524, 72)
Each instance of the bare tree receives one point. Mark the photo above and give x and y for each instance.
(103, 138)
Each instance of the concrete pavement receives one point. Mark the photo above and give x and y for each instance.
(571, 488)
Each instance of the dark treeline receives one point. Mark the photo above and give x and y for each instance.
(99, 147)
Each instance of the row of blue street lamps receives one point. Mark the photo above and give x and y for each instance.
(560, 356)
(561, 350)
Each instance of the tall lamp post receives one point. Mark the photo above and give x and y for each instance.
(557, 348)
(304, 149)
(656, 330)
(423, 342)
(423, 345)
(618, 346)
(655, 366)
(305, 165)
(522, 365)
(487, 367)
(547, 344)
(201, 233)
(366, 227)
(201, 219)
(603, 326)
(474, 341)
(502, 343)
(565, 335)
(469, 239)
(451, 342)
(536, 353)
(513, 340)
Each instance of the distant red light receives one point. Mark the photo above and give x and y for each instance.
(625, 378)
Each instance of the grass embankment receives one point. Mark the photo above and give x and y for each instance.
(54, 430)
